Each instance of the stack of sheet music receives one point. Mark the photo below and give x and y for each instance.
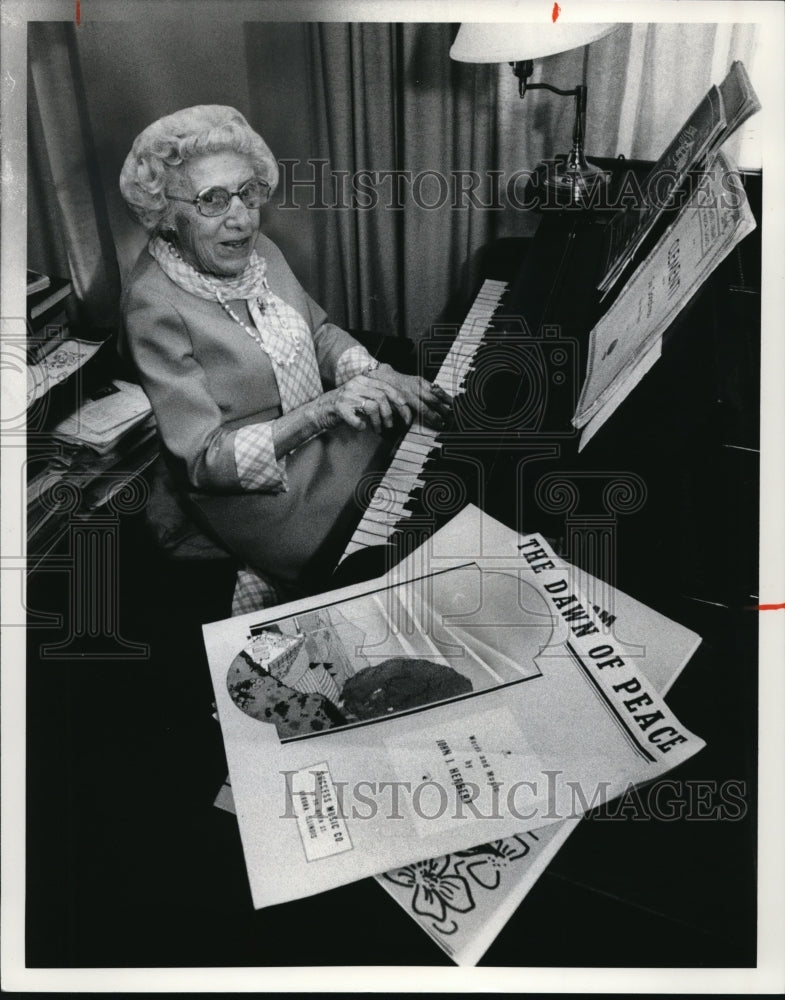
(445, 726)
(107, 440)
(105, 417)
(694, 213)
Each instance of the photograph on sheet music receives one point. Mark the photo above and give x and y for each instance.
(376, 657)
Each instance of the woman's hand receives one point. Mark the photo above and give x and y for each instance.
(430, 401)
(376, 398)
(357, 402)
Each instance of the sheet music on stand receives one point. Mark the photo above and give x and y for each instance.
(715, 119)
(627, 340)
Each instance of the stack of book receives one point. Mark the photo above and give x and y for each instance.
(47, 318)
(95, 450)
(56, 347)
(96, 433)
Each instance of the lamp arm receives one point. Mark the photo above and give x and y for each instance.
(574, 176)
(524, 68)
(555, 90)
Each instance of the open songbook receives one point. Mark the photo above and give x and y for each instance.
(408, 718)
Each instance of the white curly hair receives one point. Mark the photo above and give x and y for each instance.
(177, 138)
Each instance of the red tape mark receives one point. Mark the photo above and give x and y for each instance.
(771, 607)
(554, 15)
(78, 13)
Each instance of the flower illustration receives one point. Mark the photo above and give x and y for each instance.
(473, 852)
(434, 891)
(486, 870)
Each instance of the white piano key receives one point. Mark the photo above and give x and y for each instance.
(380, 516)
(395, 492)
(421, 443)
(400, 464)
(416, 452)
(395, 487)
(399, 510)
(375, 528)
(398, 506)
(365, 537)
(416, 463)
(422, 433)
(409, 457)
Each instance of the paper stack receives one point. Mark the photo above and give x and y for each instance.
(514, 656)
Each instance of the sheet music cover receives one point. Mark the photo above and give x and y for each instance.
(492, 879)
(457, 693)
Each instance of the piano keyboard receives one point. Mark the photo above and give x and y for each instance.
(387, 508)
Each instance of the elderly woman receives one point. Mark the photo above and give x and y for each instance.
(268, 414)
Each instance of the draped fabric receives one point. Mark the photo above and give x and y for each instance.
(64, 162)
(660, 73)
(387, 97)
(361, 97)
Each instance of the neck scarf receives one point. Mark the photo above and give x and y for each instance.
(279, 330)
(250, 283)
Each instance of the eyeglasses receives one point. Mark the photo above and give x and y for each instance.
(215, 201)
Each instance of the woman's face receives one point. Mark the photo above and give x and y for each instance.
(221, 245)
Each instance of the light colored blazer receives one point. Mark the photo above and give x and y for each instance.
(206, 378)
(204, 375)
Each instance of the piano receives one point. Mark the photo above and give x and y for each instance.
(663, 504)
(389, 510)
(678, 458)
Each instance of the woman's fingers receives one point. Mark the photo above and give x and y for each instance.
(443, 401)
(433, 405)
(385, 409)
(368, 410)
(379, 399)
(375, 406)
(396, 400)
(376, 399)
(350, 414)
(417, 392)
(404, 410)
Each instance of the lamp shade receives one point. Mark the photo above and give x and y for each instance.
(515, 41)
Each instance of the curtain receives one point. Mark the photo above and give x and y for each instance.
(387, 98)
(362, 97)
(640, 93)
(67, 205)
